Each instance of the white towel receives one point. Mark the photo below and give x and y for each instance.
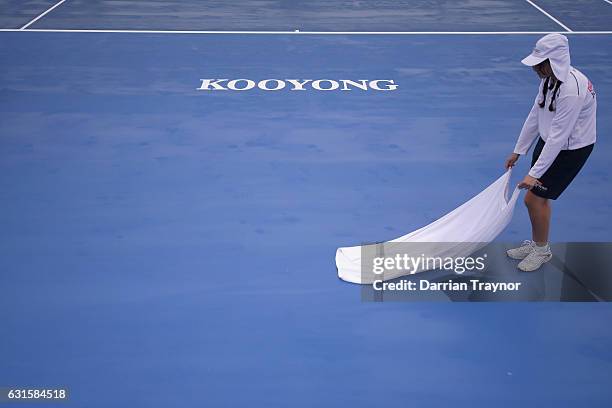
(475, 223)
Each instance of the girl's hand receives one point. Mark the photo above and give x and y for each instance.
(529, 182)
(511, 160)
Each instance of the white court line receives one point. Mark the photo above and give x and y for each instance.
(549, 16)
(608, 1)
(41, 16)
(52, 30)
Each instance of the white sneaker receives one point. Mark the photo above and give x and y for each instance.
(535, 259)
(522, 251)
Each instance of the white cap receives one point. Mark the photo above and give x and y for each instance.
(555, 48)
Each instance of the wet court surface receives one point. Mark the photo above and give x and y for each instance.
(164, 245)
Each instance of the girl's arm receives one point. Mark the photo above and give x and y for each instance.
(529, 132)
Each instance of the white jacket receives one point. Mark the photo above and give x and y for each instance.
(571, 126)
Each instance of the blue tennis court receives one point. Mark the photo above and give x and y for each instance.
(164, 245)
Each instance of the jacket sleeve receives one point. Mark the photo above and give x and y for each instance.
(529, 131)
(530, 128)
(562, 126)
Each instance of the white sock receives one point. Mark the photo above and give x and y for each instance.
(542, 248)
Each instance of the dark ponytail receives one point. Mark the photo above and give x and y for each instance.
(545, 90)
(552, 107)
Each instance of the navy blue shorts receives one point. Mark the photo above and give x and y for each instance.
(561, 172)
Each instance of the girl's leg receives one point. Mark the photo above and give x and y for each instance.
(539, 213)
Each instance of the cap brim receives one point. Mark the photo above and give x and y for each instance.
(532, 60)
